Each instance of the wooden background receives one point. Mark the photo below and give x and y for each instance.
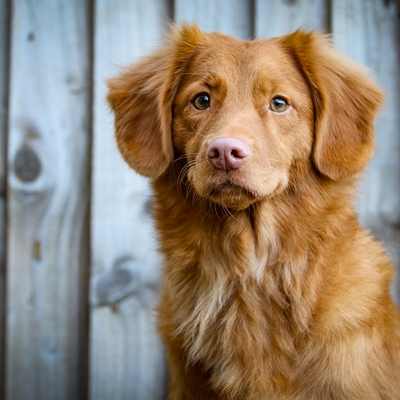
(79, 274)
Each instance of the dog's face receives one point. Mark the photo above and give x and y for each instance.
(243, 114)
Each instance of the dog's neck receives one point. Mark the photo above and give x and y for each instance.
(274, 243)
(272, 231)
(215, 258)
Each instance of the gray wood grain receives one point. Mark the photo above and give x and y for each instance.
(127, 360)
(279, 17)
(4, 58)
(230, 17)
(48, 156)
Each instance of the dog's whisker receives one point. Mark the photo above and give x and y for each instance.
(184, 157)
(196, 132)
(183, 180)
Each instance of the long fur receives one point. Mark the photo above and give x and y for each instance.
(271, 289)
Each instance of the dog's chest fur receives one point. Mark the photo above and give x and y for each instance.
(234, 307)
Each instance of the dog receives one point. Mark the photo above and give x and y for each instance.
(271, 289)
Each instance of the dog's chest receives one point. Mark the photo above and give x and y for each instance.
(237, 331)
(225, 307)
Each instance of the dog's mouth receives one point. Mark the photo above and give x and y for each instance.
(232, 194)
(230, 188)
(235, 189)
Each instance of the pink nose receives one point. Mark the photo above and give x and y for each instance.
(227, 153)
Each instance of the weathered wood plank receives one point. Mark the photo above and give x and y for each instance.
(369, 32)
(4, 58)
(127, 361)
(48, 191)
(230, 17)
(275, 18)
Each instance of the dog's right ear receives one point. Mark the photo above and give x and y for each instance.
(141, 98)
(345, 102)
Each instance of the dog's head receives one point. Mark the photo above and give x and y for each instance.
(244, 113)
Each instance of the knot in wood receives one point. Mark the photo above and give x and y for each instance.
(118, 283)
(27, 165)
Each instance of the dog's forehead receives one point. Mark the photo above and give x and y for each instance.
(234, 59)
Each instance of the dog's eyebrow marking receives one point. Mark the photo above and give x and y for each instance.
(207, 79)
(217, 82)
(264, 84)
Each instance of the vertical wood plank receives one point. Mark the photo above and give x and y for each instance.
(127, 360)
(48, 193)
(275, 18)
(4, 58)
(231, 17)
(369, 32)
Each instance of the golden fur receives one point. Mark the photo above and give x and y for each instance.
(271, 290)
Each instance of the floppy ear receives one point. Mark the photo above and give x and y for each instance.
(141, 98)
(345, 103)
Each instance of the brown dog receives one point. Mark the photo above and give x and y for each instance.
(272, 290)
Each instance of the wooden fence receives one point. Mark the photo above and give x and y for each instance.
(79, 274)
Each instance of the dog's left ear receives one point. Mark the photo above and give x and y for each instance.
(141, 98)
(345, 103)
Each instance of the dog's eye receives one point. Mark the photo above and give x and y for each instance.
(278, 104)
(202, 101)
